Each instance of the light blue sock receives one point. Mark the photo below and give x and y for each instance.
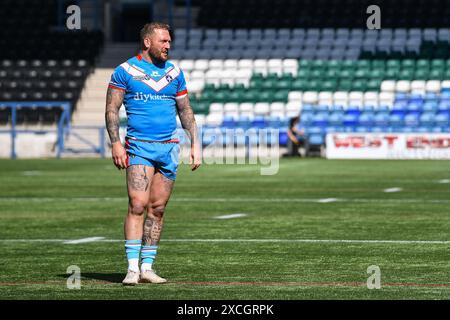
(132, 249)
(148, 255)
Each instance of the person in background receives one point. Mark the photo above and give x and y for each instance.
(296, 138)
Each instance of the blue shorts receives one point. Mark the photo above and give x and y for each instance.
(164, 157)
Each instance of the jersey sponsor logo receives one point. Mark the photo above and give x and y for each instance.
(140, 96)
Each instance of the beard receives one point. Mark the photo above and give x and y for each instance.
(157, 55)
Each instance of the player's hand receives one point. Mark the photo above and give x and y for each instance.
(196, 157)
(119, 155)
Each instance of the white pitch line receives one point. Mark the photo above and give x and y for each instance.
(327, 200)
(101, 239)
(270, 200)
(444, 181)
(390, 190)
(32, 173)
(231, 216)
(84, 240)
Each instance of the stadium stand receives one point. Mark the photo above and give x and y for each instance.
(342, 80)
(255, 64)
(40, 63)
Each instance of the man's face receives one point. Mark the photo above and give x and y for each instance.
(159, 45)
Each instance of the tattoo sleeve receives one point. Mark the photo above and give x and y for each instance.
(114, 99)
(187, 118)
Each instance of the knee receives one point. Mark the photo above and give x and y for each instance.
(158, 210)
(137, 207)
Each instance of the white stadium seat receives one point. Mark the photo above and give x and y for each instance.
(340, 98)
(231, 107)
(197, 75)
(277, 107)
(325, 98)
(187, 65)
(213, 76)
(386, 98)
(195, 86)
(201, 64)
(214, 119)
(310, 97)
(215, 64)
(245, 63)
(200, 119)
(295, 96)
(275, 66)
(216, 107)
(230, 64)
(227, 76)
(418, 86)
(243, 76)
(290, 65)
(293, 107)
(388, 86)
(260, 66)
(371, 98)
(445, 84)
(433, 86)
(261, 108)
(403, 86)
(246, 107)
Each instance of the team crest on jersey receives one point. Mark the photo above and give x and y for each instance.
(169, 78)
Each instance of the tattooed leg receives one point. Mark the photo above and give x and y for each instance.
(139, 179)
(160, 191)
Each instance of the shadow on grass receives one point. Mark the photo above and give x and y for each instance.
(108, 277)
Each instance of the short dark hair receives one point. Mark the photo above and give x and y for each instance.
(149, 28)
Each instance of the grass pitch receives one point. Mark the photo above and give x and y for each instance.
(271, 253)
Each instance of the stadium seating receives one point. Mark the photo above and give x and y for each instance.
(40, 63)
(315, 14)
(340, 80)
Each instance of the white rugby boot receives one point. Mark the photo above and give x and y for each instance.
(131, 279)
(149, 276)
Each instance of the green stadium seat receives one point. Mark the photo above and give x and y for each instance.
(393, 64)
(266, 96)
(437, 64)
(359, 85)
(363, 64)
(280, 95)
(392, 73)
(362, 73)
(406, 74)
(303, 73)
(423, 63)
(373, 85)
(378, 64)
(437, 74)
(299, 84)
(408, 63)
(329, 85)
(421, 74)
(251, 95)
(345, 85)
(284, 84)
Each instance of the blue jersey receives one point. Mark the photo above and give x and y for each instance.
(150, 97)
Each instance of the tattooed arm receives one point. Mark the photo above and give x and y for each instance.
(114, 99)
(188, 123)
